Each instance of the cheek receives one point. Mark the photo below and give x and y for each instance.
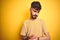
(37, 13)
(34, 13)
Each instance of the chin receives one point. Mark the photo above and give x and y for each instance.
(34, 17)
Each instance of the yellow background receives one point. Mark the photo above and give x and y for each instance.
(14, 12)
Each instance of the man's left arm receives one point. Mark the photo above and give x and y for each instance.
(46, 37)
(45, 32)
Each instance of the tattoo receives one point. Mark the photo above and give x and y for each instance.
(24, 37)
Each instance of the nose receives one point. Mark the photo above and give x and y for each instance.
(35, 13)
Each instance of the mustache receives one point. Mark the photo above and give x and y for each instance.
(34, 15)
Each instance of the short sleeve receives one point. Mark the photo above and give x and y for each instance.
(24, 30)
(44, 27)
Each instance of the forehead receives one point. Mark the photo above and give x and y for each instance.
(34, 10)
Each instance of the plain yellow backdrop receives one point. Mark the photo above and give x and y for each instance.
(14, 12)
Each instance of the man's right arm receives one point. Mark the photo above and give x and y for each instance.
(28, 38)
(24, 32)
(24, 37)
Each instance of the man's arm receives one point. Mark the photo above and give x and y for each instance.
(46, 35)
(23, 33)
(24, 37)
(27, 38)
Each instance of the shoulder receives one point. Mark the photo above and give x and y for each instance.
(41, 20)
(26, 21)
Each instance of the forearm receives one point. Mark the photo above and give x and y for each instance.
(24, 37)
(44, 38)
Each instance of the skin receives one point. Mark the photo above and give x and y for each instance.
(34, 15)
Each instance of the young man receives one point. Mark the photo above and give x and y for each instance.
(34, 28)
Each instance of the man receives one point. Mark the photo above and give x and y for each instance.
(34, 28)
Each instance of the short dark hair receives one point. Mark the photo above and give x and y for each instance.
(36, 5)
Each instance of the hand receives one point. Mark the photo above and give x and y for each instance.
(32, 37)
(43, 38)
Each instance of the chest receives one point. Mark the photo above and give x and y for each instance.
(34, 28)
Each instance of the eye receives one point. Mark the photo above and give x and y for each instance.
(34, 11)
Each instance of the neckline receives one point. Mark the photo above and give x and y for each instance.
(34, 20)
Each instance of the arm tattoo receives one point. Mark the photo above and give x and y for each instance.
(24, 37)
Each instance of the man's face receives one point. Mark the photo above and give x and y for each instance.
(34, 13)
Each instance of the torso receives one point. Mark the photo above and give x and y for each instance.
(34, 27)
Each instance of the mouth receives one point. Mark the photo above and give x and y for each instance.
(34, 16)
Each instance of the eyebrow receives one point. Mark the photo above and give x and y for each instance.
(36, 11)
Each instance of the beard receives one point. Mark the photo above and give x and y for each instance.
(34, 16)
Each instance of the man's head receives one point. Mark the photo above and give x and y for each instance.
(35, 9)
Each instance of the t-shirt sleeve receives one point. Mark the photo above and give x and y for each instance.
(44, 26)
(24, 30)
